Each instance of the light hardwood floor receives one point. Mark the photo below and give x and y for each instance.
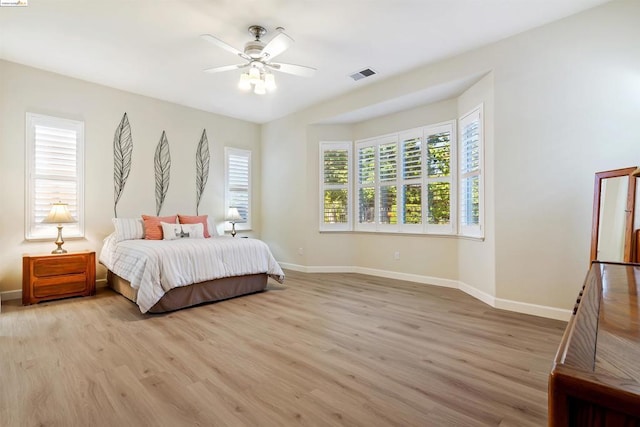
(325, 349)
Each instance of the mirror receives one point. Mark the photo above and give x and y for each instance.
(613, 216)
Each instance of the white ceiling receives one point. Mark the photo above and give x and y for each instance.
(153, 48)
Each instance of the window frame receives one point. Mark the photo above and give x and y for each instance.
(238, 152)
(473, 230)
(325, 146)
(34, 231)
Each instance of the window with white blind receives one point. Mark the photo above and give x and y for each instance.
(237, 167)
(404, 181)
(54, 173)
(470, 177)
(439, 141)
(335, 186)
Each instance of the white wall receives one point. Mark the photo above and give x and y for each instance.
(24, 89)
(565, 100)
(567, 105)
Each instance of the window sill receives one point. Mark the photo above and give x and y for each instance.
(396, 233)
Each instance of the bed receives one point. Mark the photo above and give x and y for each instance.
(166, 275)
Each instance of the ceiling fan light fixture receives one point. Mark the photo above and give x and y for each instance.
(270, 82)
(244, 83)
(259, 56)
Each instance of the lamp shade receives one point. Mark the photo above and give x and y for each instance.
(59, 214)
(245, 82)
(260, 88)
(233, 215)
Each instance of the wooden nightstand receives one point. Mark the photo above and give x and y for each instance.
(46, 277)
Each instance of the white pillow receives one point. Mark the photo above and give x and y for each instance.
(182, 231)
(128, 228)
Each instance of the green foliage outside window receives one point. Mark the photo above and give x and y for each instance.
(413, 204)
(336, 172)
(336, 167)
(388, 204)
(366, 200)
(439, 166)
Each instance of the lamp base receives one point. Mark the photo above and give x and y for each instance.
(233, 229)
(59, 242)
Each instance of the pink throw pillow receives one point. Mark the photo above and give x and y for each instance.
(152, 227)
(190, 219)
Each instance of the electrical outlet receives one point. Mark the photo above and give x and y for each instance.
(300, 251)
(396, 255)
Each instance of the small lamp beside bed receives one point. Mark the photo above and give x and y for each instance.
(59, 214)
(233, 216)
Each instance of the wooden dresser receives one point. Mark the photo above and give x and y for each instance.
(47, 277)
(595, 379)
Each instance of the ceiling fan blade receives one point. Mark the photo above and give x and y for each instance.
(298, 70)
(225, 68)
(277, 45)
(225, 46)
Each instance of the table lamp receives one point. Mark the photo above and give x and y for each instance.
(233, 216)
(59, 214)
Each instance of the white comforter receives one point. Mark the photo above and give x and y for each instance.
(153, 267)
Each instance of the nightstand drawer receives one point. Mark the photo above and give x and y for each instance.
(72, 264)
(59, 285)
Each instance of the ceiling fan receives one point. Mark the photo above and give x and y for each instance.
(258, 56)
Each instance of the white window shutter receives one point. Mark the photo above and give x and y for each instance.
(439, 165)
(238, 185)
(335, 185)
(470, 175)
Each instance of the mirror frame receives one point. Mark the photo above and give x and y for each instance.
(629, 211)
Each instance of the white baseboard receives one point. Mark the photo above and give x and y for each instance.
(534, 309)
(11, 295)
(503, 304)
(372, 272)
(427, 280)
(477, 294)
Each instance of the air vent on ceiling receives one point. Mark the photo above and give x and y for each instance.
(362, 74)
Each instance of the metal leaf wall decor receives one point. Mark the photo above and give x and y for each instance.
(162, 163)
(202, 167)
(122, 151)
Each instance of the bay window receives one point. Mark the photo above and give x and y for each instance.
(418, 181)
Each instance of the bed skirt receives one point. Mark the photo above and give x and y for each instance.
(198, 293)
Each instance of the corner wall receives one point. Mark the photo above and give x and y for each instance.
(477, 258)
